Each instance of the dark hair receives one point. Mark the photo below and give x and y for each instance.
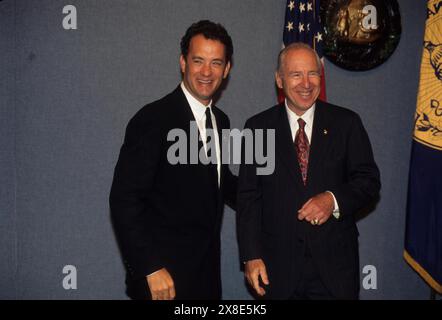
(210, 30)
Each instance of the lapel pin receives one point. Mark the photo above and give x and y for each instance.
(325, 132)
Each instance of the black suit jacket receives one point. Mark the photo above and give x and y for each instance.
(168, 215)
(340, 161)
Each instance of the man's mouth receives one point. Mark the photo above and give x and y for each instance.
(204, 81)
(305, 94)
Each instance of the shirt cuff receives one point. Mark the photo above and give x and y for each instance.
(335, 212)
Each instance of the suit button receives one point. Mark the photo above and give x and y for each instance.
(300, 240)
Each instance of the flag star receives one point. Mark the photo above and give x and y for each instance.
(308, 27)
(318, 37)
(309, 6)
(301, 27)
(290, 26)
(301, 7)
(291, 5)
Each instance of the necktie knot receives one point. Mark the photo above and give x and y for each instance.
(301, 123)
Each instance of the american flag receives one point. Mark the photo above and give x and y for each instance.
(303, 24)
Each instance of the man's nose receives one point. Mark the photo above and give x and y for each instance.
(206, 70)
(306, 82)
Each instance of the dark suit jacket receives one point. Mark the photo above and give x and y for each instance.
(169, 215)
(340, 161)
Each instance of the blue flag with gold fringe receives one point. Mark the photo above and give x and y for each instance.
(423, 235)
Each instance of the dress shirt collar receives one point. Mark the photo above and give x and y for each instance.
(308, 117)
(198, 109)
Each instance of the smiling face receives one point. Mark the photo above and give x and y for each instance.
(204, 67)
(300, 78)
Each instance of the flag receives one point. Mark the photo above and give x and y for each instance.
(423, 234)
(303, 24)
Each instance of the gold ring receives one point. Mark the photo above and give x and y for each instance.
(315, 221)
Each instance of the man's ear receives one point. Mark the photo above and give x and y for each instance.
(182, 63)
(278, 79)
(226, 70)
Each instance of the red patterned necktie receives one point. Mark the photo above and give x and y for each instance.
(302, 149)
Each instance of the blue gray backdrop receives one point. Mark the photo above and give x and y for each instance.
(67, 95)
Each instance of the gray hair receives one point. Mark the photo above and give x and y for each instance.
(297, 46)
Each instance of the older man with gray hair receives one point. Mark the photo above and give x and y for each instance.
(297, 232)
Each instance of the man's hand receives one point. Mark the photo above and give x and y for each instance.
(317, 210)
(161, 285)
(254, 269)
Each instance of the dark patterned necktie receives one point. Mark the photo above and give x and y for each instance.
(209, 126)
(302, 149)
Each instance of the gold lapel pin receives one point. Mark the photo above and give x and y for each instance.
(325, 131)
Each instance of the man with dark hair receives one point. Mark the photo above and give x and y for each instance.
(167, 217)
(210, 31)
(297, 231)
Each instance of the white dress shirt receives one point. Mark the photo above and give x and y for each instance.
(199, 112)
(308, 117)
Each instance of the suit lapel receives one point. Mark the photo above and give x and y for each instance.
(319, 143)
(184, 113)
(285, 145)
